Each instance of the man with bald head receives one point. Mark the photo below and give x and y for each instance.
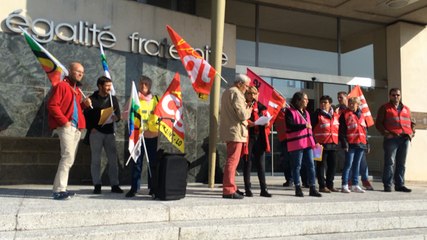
(65, 115)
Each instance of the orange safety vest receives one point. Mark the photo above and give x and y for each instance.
(356, 127)
(395, 122)
(326, 131)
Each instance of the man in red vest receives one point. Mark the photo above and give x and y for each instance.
(395, 124)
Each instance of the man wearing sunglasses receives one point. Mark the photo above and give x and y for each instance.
(395, 124)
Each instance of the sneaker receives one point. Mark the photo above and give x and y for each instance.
(387, 189)
(61, 196)
(324, 190)
(402, 189)
(345, 189)
(367, 185)
(357, 189)
(97, 189)
(116, 189)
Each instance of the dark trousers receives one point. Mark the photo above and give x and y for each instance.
(256, 152)
(329, 157)
(151, 144)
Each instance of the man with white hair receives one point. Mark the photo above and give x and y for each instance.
(233, 131)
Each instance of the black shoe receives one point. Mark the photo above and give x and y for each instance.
(97, 189)
(71, 194)
(233, 196)
(298, 191)
(387, 189)
(314, 192)
(130, 194)
(61, 196)
(248, 193)
(116, 189)
(265, 193)
(288, 184)
(402, 189)
(239, 192)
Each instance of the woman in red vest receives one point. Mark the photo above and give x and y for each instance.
(325, 127)
(258, 136)
(300, 142)
(352, 135)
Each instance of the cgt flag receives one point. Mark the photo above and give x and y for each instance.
(201, 73)
(169, 114)
(54, 69)
(267, 95)
(357, 92)
(134, 124)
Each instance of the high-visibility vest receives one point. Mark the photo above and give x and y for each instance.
(300, 139)
(395, 122)
(326, 130)
(356, 127)
(147, 116)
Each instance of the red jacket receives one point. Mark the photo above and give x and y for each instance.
(60, 105)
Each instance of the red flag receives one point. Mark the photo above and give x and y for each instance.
(169, 111)
(265, 90)
(199, 70)
(357, 92)
(267, 95)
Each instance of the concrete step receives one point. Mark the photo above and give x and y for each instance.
(79, 212)
(401, 234)
(332, 226)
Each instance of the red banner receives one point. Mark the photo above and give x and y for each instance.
(267, 95)
(265, 90)
(200, 71)
(357, 92)
(169, 113)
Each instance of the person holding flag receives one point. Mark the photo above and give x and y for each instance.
(258, 136)
(101, 133)
(148, 103)
(65, 114)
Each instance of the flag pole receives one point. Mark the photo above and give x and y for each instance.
(133, 150)
(223, 79)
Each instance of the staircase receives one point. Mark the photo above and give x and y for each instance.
(27, 212)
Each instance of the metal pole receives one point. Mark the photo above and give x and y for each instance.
(217, 36)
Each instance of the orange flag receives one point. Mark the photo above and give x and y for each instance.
(357, 92)
(169, 113)
(199, 70)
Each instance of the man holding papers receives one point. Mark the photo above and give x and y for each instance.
(100, 127)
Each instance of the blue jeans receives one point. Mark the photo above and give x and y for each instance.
(364, 170)
(395, 150)
(352, 161)
(299, 157)
(151, 144)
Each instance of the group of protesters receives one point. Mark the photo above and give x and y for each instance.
(332, 129)
(70, 111)
(329, 128)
